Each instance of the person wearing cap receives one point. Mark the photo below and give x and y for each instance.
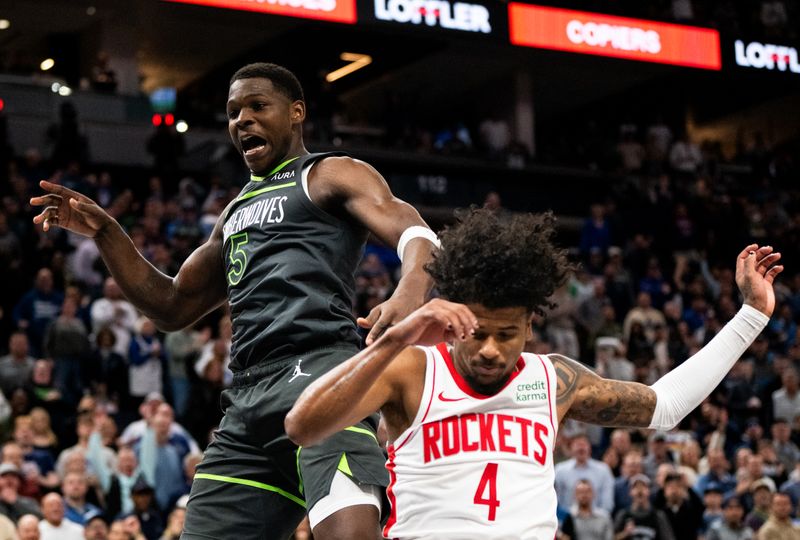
(658, 454)
(610, 360)
(780, 526)
(731, 526)
(641, 521)
(712, 500)
(54, 526)
(12, 504)
(762, 491)
(146, 510)
(96, 527)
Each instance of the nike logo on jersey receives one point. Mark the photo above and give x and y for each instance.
(442, 398)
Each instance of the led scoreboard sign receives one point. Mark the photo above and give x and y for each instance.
(342, 11)
(619, 37)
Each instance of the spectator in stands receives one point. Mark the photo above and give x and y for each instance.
(135, 430)
(583, 466)
(786, 400)
(204, 412)
(146, 510)
(115, 312)
(584, 520)
(161, 458)
(631, 466)
(645, 314)
(610, 361)
(77, 510)
(85, 428)
(712, 501)
(44, 471)
(28, 527)
(12, 504)
(105, 373)
(596, 231)
(762, 493)
(658, 453)
(685, 156)
(96, 527)
(787, 451)
(67, 343)
(641, 521)
(16, 367)
(174, 524)
(43, 436)
(54, 526)
(717, 473)
(182, 349)
(682, 506)
(731, 526)
(779, 525)
(147, 368)
(38, 308)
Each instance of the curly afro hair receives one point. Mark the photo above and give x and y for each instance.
(499, 263)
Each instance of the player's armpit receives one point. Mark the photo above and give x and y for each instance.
(583, 395)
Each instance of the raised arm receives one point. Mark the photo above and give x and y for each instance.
(367, 199)
(389, 376)
(172, 303)
(585, 396)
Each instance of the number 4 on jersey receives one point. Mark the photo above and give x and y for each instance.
(489, 479)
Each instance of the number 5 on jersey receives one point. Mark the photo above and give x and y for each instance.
(238, 258)
(488, 482)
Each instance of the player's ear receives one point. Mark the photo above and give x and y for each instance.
(297, 112)
(529, 328)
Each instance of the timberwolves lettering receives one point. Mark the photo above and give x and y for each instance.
(484, 432)
(261, 212)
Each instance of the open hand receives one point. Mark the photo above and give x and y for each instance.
(436, 321)
(388, 313)
(69, 210)
(755, 272)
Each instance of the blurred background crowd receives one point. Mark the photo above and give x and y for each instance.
(103, 418)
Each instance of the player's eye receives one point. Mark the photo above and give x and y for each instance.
(232, 114)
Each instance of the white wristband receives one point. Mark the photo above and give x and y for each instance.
(415, 231)
(685, 387)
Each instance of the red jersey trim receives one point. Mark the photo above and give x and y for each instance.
(390, 465)
(464, 385)
(430, 401)
(549, 395)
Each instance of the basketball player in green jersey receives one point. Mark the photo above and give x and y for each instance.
(284, 255)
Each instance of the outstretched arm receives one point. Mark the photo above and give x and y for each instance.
(367, 199)
(585, 396)
(388, 375)
(172, 303)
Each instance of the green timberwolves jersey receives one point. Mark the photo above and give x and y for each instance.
(290, 268)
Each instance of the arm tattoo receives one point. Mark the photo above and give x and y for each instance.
(590, 398)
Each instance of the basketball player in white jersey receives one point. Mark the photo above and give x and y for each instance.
(472, 419)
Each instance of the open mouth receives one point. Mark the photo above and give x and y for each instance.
(252, 144)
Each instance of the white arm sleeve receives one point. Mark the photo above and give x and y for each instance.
(415, 231)
(685, 387)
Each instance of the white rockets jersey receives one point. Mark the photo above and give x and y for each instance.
(475, 467)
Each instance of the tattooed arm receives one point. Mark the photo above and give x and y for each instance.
(585, 396)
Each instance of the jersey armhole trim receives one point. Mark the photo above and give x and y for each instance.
(428, 390)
